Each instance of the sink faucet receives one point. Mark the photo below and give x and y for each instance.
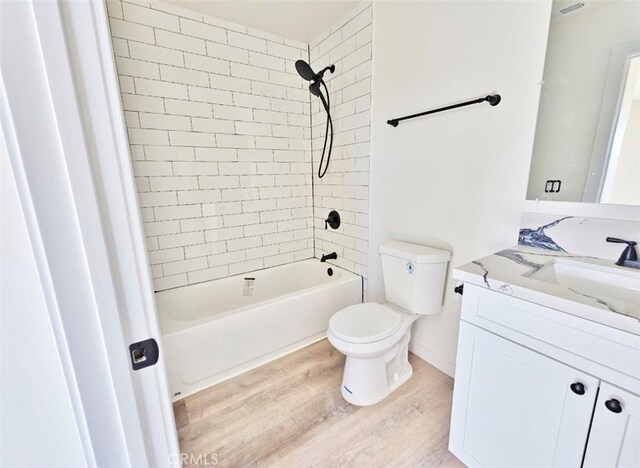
(629, 256)
(331, 256)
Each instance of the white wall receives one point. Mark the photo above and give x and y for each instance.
(345, 187)
(218, 123)
(38, 426)
(456, 179)
(575, 74)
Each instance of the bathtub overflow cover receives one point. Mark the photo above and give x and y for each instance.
(410, 268)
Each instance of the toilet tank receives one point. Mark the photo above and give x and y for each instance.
(414, 276)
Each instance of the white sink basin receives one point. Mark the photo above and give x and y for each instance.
(616, 287)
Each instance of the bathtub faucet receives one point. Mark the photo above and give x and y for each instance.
(331, 256)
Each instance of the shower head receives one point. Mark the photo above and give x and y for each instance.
(305, 71)
(314, 87)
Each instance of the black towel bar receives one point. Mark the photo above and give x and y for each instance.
(493, 99)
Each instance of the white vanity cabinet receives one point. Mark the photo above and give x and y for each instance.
(615, 435)
(514, 406)
(532, 386)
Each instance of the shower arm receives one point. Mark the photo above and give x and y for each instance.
(331, 68)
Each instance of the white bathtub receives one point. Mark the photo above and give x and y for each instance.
(212, 331)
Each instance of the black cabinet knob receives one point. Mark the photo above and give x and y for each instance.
(578, 388)
(613, 405)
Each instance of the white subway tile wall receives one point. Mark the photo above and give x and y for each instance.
(345, 187)
(220, 137)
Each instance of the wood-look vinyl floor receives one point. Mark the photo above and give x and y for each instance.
(290, 413)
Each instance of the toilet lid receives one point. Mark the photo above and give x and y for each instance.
(364, 323)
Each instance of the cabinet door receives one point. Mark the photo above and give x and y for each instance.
(615, 432)
(516, 407)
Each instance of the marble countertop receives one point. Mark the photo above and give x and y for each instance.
(507, 272)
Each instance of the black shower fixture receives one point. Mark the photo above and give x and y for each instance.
(306, 72)
(332, 220)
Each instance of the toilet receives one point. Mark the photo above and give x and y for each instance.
(375, 337)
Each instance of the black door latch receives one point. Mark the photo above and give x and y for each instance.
(143, 353)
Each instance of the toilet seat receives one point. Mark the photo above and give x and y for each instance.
(365, 323)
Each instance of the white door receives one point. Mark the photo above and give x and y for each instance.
(516, 407)
(62, 125)
(614, 440)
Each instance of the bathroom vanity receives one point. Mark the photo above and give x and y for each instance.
(548, 363)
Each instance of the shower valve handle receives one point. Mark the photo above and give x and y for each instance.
(332, 220)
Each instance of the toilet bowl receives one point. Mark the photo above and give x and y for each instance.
(375, 337)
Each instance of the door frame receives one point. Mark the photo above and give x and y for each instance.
(606, 135)
(63, 121)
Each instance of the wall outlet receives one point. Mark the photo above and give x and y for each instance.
(552, 186)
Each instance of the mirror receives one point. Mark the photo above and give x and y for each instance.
(587, 142)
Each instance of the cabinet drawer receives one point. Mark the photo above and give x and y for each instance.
(568, 338)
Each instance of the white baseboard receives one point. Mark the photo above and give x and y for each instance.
(436, 360)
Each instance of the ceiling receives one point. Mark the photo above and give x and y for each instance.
(302, 20)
